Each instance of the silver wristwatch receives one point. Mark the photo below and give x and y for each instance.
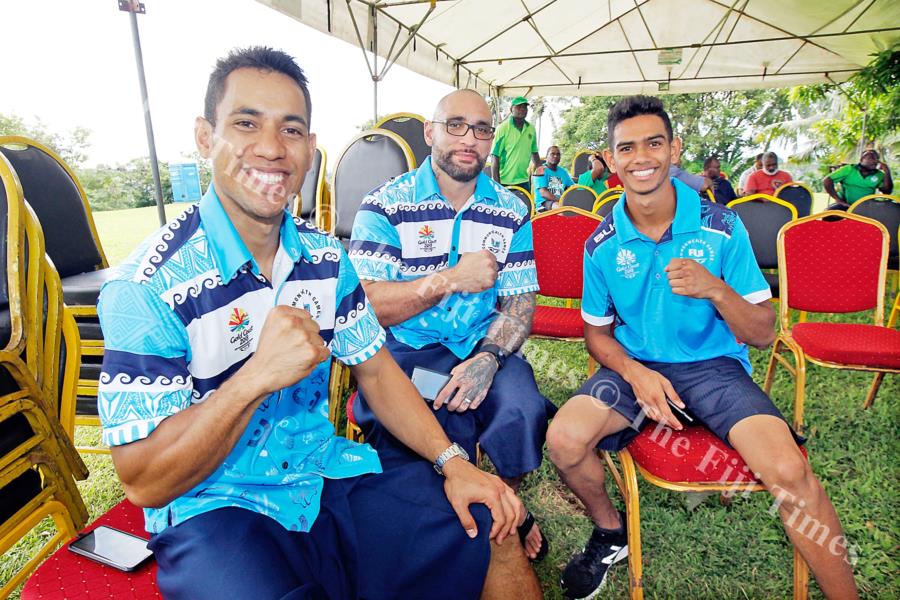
(454, 450)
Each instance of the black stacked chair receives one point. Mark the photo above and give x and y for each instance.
(369, 160)
(53, 191)
(411, 127)
(579, 196)
(38, 463)
(886, 210)
(797, 194)
(313, 189)
(606, 201)
(763, 216)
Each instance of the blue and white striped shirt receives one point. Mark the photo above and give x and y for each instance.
(406, 229)
(184, 312)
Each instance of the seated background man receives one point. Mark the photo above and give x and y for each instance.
(214, 388)
(746, 173)
(722, 190)
(768, 179)
(597, 176)
(438, 249)
(554, 180)
(869, 176)
(677, 275)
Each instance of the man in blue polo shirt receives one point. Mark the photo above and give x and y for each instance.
(550, 185)
(446, 257)
(676, 275)
(214, 390)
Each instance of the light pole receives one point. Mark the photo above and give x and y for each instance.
(132, 7)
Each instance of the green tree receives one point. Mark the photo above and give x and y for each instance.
(71, 147)
(727, 124)
(831, 120)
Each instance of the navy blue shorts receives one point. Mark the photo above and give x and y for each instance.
(511, 423)
(719, 392)
(391, 535)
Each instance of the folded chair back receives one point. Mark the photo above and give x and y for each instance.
(411, 127)
(57, 197)
(797, 194)
(886, 210)
(581, 162)
(579, 196)
(833, 262)
(559, 237)
(313, 187)
(371, 159)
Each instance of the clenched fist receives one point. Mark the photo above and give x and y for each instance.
(475, 271)
(289, 348)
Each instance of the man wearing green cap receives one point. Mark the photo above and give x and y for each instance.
(514, 142)
(869, 176)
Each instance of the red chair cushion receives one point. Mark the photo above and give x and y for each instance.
(556, 321)
(350, 401)
(850, 343)
(693, 455)
(66, 575)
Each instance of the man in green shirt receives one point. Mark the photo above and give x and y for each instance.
(867, 177)
(597, 176)
(514, 144)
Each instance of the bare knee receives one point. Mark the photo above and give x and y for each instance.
(566, 447)
(794, 475)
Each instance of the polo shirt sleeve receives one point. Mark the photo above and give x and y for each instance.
(375, 247)
(357, 334)
(518, 274)
(499, 142)
(841, 174)
(596, 303)
(534, 146)
(739, 268)
(144, 377)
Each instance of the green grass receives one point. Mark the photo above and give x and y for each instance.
(708, 551)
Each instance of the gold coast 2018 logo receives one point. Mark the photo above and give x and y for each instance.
(241, 329)
(427, 239)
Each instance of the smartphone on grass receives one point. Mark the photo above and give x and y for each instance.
(112, 547)
(429, 382)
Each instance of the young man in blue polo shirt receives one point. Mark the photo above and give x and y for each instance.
(676, 275)
(214, 390)
(446, 256)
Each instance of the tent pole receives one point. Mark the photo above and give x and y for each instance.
(148, 123)
(862, 136)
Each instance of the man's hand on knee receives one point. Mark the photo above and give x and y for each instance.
(466, 484)
(289, 348)
(471, 382)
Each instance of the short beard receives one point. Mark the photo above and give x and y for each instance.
(445, 161)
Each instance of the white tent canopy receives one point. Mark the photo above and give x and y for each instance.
(609, 47)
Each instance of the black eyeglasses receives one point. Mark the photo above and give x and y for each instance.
(461, 128)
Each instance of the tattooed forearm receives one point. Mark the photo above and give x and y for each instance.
(513, 323)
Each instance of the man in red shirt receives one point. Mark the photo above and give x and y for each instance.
(768, 179)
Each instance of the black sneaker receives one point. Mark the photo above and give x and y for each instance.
(584, 576)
